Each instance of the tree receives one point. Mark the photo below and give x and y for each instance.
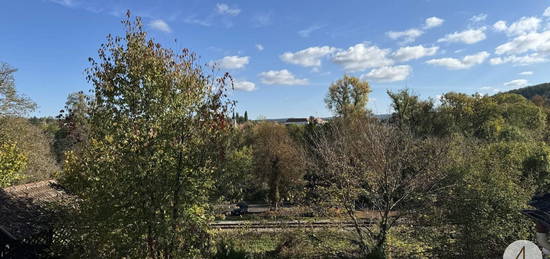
(245, 115)
(479, 214)
(73, 125)
(413, 114)
(144, 178)
(12, 163)
(34, 143)
(277, 159)
(12, 103)
(348, 96)
(365, 164)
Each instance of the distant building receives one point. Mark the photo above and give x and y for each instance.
(296, 121)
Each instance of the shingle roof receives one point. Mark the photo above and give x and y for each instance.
(24, 208)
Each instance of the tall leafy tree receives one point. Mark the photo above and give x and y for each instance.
(154, 131)
(348, 96)
(73, 125)
(277, 159)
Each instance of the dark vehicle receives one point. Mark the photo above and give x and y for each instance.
(242, 209)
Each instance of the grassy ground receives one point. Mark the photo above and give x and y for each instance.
(290, 243)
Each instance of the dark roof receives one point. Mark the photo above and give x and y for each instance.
(541, 213)
(24, 208)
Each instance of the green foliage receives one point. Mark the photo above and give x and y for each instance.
(236, 178)
(12, 163)
(278, 161)
(479, 214)
(156, 125)
(34, 143)
(348, 96)
(412, 113)
(73, 125)
(500, 117)
(532, 91)
(226, 249)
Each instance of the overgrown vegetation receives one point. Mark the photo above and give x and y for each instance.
(156, 146)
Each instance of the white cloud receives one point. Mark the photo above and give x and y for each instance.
(244, 86)
(464, 63)
(433, 22)
(259, 47)
(500, 26)
(408, 36)
(307, 31)
(413, 52)
(539, 42)
(226, 10)
(389, 73)
(526, 73)
(516, 83)
(470, 36)
(478, 18)
(195, 20)
(519, 60)
(231, 62)
(67, 3)
(160, 25)
(281, 77)
(362, 56)
(547, 12)
(489, 89)
(310, 57)
(523, 26)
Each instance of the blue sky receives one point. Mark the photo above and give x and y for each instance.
(285, 54)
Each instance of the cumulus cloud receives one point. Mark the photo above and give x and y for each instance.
(433, 22)
(410, 35)
(524, 25)
(310, 57)
(519, 60)
(361, 57)
(500, 26)
(469, 36)
(407, 36)
(457, 64)
(547, 12)
(535, 41)
(231, 62)
(516, 83)
(244, 86)
(389, 73)
(478, 18)
(526, 73)
(259, 47)
(226, 10)
(413, 52)
(160, 25)
(281, 77)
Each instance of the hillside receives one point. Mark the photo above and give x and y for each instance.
(530, 91)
